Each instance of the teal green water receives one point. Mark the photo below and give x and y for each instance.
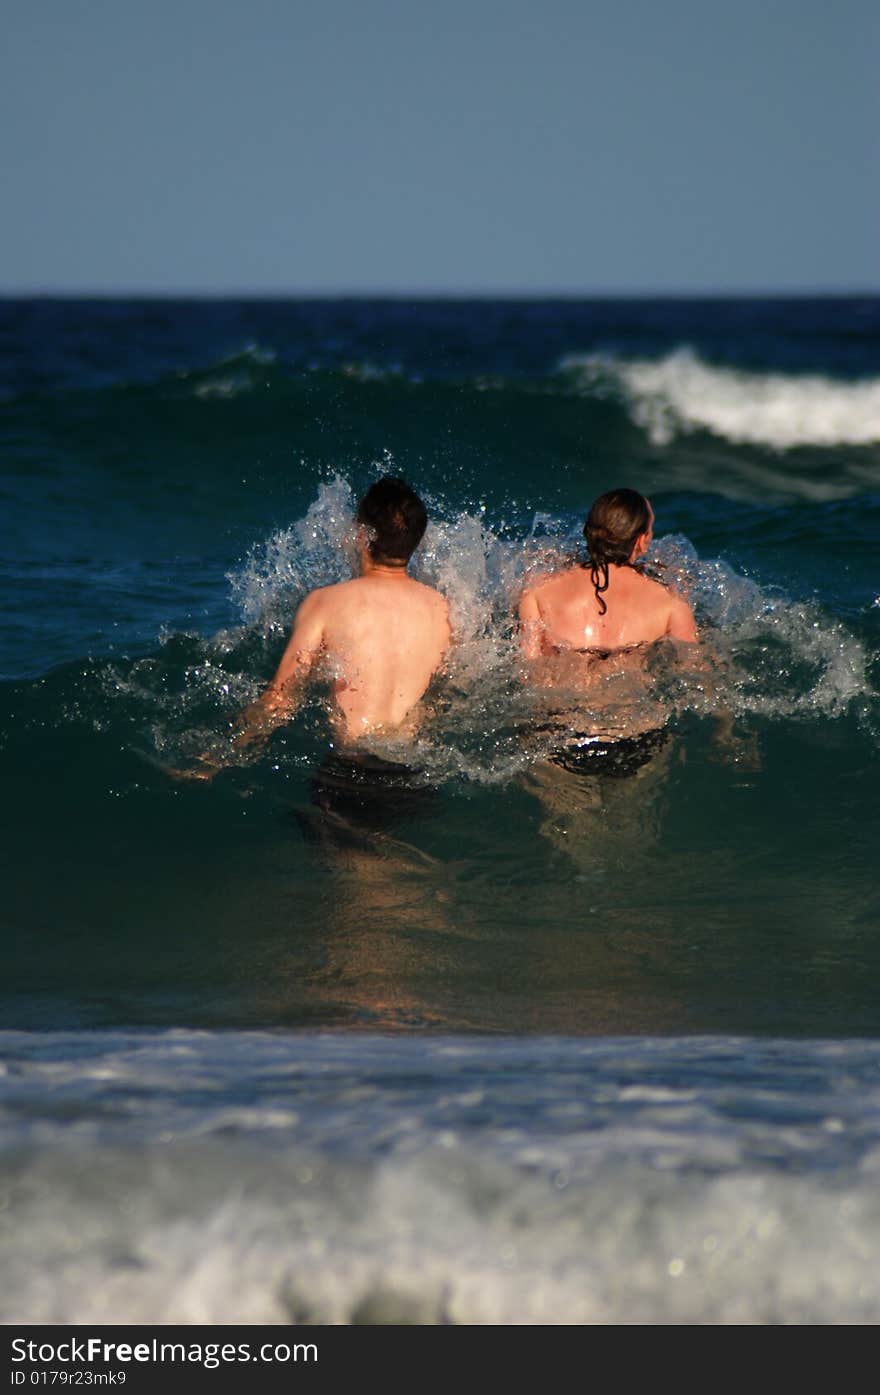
(539, 1048)
(176, 476)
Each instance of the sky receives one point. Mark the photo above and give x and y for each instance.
(466, 147)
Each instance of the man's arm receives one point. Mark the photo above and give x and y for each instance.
(530, 626)
(281, 697)
(279, 701)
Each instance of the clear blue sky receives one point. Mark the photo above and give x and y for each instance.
(483, 146)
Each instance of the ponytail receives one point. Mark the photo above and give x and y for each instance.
(614, 523)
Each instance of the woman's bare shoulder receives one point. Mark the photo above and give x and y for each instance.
(546, 582)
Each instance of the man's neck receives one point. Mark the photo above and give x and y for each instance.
(392, 571)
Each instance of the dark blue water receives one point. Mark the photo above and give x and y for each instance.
(175, 475)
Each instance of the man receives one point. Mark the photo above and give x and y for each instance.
(585, 630)
(380, 637)
(383, 634)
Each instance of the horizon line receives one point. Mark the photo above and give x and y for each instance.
(801, 293)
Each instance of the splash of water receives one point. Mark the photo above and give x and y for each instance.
(762, 653)
(314, 551)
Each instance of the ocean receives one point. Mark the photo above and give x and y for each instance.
(530, 1048)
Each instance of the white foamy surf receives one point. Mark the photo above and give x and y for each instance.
(681, 393)
(197, 1177)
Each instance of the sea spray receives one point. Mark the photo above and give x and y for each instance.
(762, 653)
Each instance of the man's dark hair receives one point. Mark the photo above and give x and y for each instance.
(397, 518)
(614, 523)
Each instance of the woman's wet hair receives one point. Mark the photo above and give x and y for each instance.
(397, 520)
(614, 523)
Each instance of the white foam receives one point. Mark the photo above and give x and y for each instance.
(518, 1181)
(681, 393)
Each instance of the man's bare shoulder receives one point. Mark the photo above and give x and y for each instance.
(322, 596)
(362, 590)
(339, 593)
(423, 594)
(432, 596)
(434, 606)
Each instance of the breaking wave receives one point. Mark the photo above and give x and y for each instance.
(681, 393)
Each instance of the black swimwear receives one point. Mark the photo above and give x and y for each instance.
(595, 652)
(372, 793)
(594, 755)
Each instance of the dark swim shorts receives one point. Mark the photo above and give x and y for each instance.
(369, 792)
(591, 755)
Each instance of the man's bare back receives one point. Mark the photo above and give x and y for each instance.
(380, 637)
